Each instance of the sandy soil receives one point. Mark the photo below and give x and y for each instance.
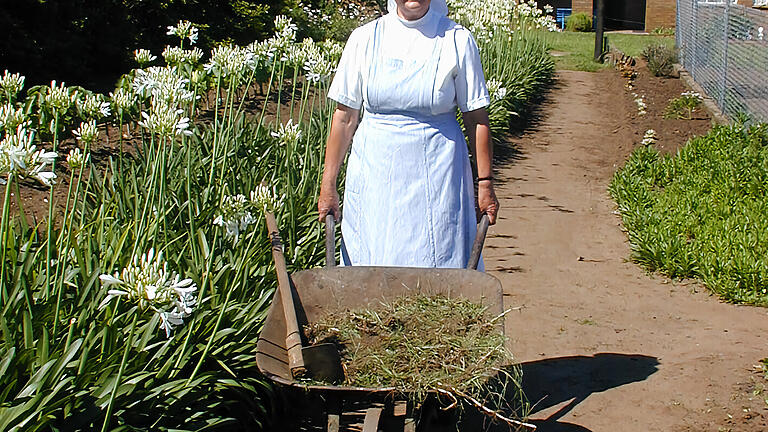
(604, 345)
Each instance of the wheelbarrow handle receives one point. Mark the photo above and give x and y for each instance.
(330, 241)
(292, 333)
(477, 246)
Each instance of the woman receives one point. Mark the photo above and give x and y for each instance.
(409, 194)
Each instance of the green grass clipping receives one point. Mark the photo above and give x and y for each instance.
(420, 343)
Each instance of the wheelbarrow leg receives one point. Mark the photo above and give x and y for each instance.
(405, 409)
(333, 422)
(333, 405)
(371, 422)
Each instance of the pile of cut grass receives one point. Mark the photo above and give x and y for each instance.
(420, 343)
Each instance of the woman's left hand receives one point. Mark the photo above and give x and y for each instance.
(487, 201)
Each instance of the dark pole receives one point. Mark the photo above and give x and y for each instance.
(599, 30)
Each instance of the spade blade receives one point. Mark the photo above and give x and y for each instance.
(323, 362)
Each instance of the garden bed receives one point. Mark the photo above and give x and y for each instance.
(692, 200)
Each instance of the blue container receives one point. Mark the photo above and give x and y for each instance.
(561, 14)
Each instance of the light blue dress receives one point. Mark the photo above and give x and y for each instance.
(409, 195)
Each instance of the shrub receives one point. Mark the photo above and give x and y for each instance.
(661, 59)
(579, 22)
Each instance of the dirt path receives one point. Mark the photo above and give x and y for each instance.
(605, 346)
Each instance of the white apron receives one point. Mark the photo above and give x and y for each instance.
(409, 197)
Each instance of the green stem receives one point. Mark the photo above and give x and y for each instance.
(49, 246)
(215, 128)
(128, 343)
(4, 237)
(279, 92)
(69, 215)
(266, 98)
(293, 92)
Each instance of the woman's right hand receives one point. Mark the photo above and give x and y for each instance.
(328, 203)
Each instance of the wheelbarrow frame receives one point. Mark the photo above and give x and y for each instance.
(323, 290)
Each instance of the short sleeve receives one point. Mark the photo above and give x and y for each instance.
(347, 85)
(471, 91)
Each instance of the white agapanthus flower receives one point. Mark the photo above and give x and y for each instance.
(11, 85)
(263, 52)
(94, 107)
(235, 216)
(184, 29)
(285, 30)
(294, 55)
(162, 83)
(319, 70)
(230, 61)
(143, 57)
(288, 133)
(165, 120)
(123, 100)
(19, 156)
(265, 198)
(485, 17)
(175, 56)
(649, 138)
(11, 117)
(58, 97)
(76, 159)
(87, 133)
(496, 90)
(332, 50)
(148, 282)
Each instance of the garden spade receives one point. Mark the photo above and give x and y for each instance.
(322, 361)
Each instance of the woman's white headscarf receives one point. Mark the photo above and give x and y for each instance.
(438, 6)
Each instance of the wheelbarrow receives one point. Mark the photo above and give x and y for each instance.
(319, 291)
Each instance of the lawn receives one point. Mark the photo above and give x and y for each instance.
(575, 51)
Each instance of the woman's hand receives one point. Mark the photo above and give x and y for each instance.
(486, 200)
(328, 203)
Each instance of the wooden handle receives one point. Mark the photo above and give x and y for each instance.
(330, 241)
(477, 246)
(292, 334)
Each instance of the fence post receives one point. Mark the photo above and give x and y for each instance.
(726, 34)
(693, 38)
(678, 31)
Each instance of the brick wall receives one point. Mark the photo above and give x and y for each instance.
(659, 13)
(582, 6)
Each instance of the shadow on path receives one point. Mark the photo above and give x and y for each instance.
(549, 382)
(552, 381)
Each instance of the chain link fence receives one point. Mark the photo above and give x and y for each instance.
(724, 47)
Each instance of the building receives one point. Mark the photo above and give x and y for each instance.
(643, 15)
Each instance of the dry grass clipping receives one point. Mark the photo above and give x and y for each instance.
(420, 343)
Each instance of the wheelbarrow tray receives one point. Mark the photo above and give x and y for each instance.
(324, 290)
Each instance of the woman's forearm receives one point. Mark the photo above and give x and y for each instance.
(343, 127)
(479, 134)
